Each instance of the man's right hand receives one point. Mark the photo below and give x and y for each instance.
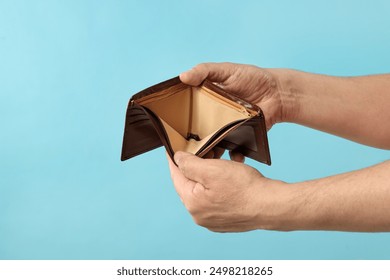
(256, 85)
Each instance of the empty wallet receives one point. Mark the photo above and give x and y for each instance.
(193, 119)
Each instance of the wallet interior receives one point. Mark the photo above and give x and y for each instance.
(191, 116)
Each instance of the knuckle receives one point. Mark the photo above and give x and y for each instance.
(183, 165)
(198, 190)
(201, 66)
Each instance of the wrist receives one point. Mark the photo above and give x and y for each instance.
(289, 92)
(285, 208)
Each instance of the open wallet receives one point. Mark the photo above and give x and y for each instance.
(193, 119)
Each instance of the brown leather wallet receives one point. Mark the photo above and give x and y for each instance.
(193, 119)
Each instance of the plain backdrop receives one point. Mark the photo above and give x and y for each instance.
(67, 70)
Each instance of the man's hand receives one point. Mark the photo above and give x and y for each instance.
(254, 84)
(224, 195)
(227, 196)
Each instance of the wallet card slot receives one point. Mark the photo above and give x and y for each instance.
(132, 122)
(136, 109)
(136, 114)
(139, 138)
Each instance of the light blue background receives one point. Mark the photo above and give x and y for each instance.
(67, 70)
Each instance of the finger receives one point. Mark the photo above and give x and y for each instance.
(215, 153)
(215, 72)
(218, 152)
(209, 154)
(193, 167)
(236, 156)
(180, 182)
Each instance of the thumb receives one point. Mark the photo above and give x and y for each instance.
(193, 167)
(182, 185)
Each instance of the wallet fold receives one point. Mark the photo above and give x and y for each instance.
(193, 119)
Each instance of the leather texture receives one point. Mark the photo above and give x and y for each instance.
(193, 119)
